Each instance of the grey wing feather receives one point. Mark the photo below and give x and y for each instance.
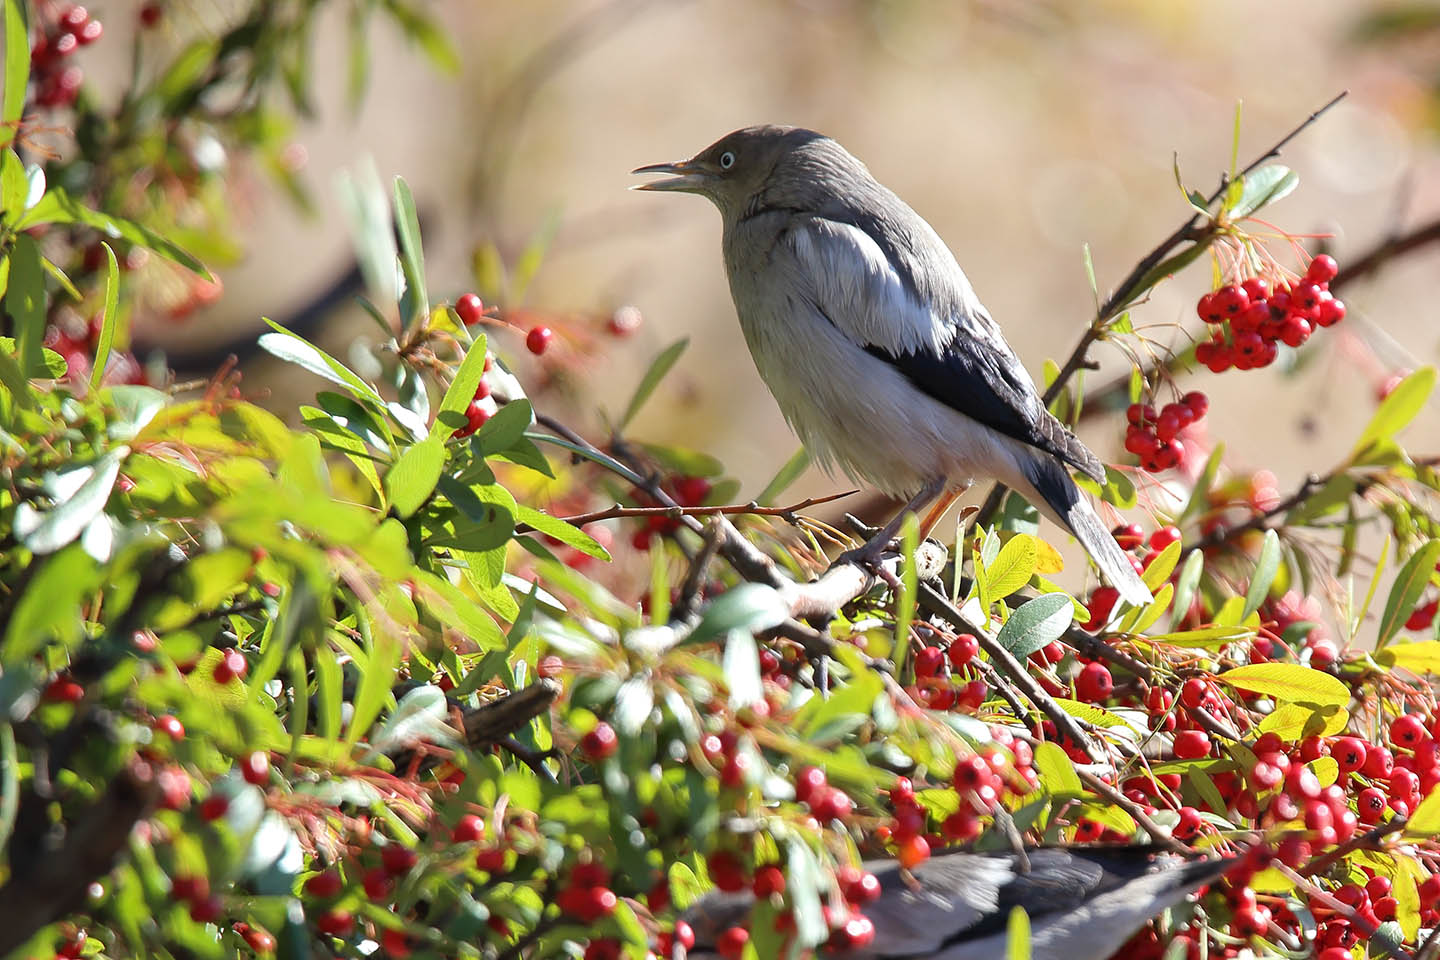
(900, 295)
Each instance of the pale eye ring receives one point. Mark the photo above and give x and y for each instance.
(727, 160)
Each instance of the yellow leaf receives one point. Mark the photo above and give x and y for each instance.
(1422, 657)
(1047, 558)
(1326, 770)
(1292, 721)
(1425, 820)
(1288, 683)
(1012, 568)
(1271, 880)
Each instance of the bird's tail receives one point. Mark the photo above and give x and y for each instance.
(1064, 502)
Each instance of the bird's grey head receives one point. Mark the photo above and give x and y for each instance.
(762, 166)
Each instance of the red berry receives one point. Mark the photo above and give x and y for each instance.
(1094, 683)
(324, 885)
(64, 690)
(1422, 616)
(90, 33)
(963, 649)
(1331, 312)
(377, 883)
(912, 852)
(1349, 753)
(191, 888)
(256, 938)
(769, 881)
(731, 943)
(150, 15)
(206, 909)
(255, 768)
(1407, 730)
(1230, 300)
(232, 664)
(1256, 288)
(397, 859)
(929, 662)
(727, 871)
(475, 416)
(1209, 310)
(807, 782)
(1102, 602)
(1322, 269)
(1192, 744)
(538, 339)
(602, 948)
(600, 742)
(336, 923)
(470, 310)
(214, 806)
(73, 20)
(468, 829)
(170, 725)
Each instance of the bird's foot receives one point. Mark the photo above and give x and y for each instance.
(868, 557)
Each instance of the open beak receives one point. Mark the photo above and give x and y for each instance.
(688, 177)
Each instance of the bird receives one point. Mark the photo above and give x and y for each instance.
(1083, 903)
(874, 344)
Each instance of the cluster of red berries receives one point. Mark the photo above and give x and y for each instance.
(1154, 436)
(945, 679)
(1251, 319)
(77, 346)
(57, 83)
(471, 311)
(686, 490)
(587, 896)
(980, 782)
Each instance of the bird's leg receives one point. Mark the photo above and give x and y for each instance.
(868, 554)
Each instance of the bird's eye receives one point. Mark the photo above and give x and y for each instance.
(727, 160)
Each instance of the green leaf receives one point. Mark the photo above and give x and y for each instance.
(25, 300)
(414, 303)
(658, 368)
(1405, 592)
(1036, 623)
(301, 352)
(1013, 568)
(794, 467)
(1017, 928)
(1119, 489)
(1161, 567)
(1397, 410)
(909, 588)
(461, 391)
(1266, 566)
(1288, 683)
(86, 491)
(1185, 586)
(1200, 496)
(1056, 769)
(1207, 637)
(108, 318)
(14, 188)
(376, 678)
(436, 42)
(409, 483)
(566, 533)
(1090, 275)
(749, 606)
(17, 70)
(1262, 187)
(58, 207)
(802, 888)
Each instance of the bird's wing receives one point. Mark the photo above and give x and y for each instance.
(939, 336)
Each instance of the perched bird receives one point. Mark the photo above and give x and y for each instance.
(1083, 903)
(873, 342)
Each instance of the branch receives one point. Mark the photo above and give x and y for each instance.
(1130, 288)
(1158, 836)
(1387, 250)
(44, 889)
(675, 512)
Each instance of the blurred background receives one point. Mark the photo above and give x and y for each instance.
(1021, 129)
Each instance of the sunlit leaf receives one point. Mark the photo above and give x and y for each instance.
(1288, 683)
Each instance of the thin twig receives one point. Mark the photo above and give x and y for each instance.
(675, 512)
(1358, 842)
(1158, 836)
(685, 605)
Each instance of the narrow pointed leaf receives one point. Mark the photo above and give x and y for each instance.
(1266, 567)
(1405, 593)
(1288, 683)
(658, 368)
(108, 318)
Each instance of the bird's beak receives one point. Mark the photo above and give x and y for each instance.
(688, 177)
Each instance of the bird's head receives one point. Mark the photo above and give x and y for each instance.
(739, 167)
